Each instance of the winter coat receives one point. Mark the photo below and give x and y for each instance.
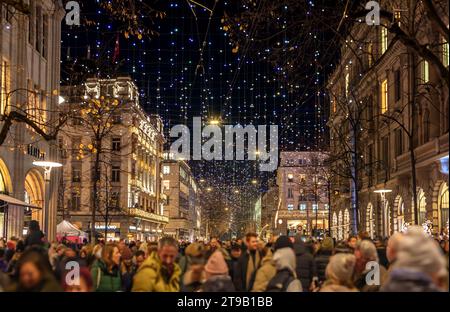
(127, 278)
(305, 265)
(360, 280)
(265, 273)
(34, 238)
(104, 280)
(218, 283)
(152, 276)
(285, 279)
(240, 274)
(322, 258)
(232, 264)
(406, 280)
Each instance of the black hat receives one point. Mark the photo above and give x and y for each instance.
(282, 242)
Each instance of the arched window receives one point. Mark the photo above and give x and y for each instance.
(400, 213)
(340, 224)
(443, 205)
(370, 220)
(335, 225)
(346, 223)
(422, 206)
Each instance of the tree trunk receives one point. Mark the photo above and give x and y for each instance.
(95, 190)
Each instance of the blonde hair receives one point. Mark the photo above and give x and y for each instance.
(340, 269)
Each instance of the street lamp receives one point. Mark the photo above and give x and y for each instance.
(47, 166)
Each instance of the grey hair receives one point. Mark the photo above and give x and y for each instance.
(419, 252)
(368, 250)
(167, 241)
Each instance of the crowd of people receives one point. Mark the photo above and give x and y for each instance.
(411, 261)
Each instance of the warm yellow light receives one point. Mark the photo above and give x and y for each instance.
(236, 191)
(214, 122)
(209, 189)
(254, 181)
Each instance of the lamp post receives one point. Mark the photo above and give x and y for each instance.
(383, 192)
(47, 166)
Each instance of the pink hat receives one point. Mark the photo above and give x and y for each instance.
(216, 264)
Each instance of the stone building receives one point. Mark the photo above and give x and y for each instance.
(399, 103)
(269, 205)
(303, 194)
(29, 84)
(130, 197)
(183, 200)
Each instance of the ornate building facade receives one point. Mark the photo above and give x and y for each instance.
(303, 194)
(183, 200)
(390, 107)
(130, 197)
(29, 85)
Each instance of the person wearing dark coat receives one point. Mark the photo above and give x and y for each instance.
(323, 257)
(35, 234)
(305, 264)
(248, 264)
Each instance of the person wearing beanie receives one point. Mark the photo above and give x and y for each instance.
(216, 272)
(282, 242)
(339, 273)
(127, 268)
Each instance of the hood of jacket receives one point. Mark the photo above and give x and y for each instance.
(284, 258)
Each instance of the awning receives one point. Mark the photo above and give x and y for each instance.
(17, 202)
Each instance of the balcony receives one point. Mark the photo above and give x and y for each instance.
(148, 216)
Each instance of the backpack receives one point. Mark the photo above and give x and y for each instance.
(281, 281)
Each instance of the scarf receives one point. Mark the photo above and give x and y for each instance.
(253, 264)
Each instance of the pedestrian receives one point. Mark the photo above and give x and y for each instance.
(12, 265)
(105, 271)
(323, 256)
(285, 279)
(305, 264)
(339, 274)
(248, 264)
(351, 242)
(139, 258)
(82, 284)
(35, 235)
(366, 255)
(235, 254)
(3, 263)
(392, 248)
(194, 256)
(212, 247)
(159, 272)
(195, 276)
(127, 269)
(34, 274)
(420, 265)
(266, 271)
(217, 277)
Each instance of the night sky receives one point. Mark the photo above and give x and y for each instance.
(177, 83)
